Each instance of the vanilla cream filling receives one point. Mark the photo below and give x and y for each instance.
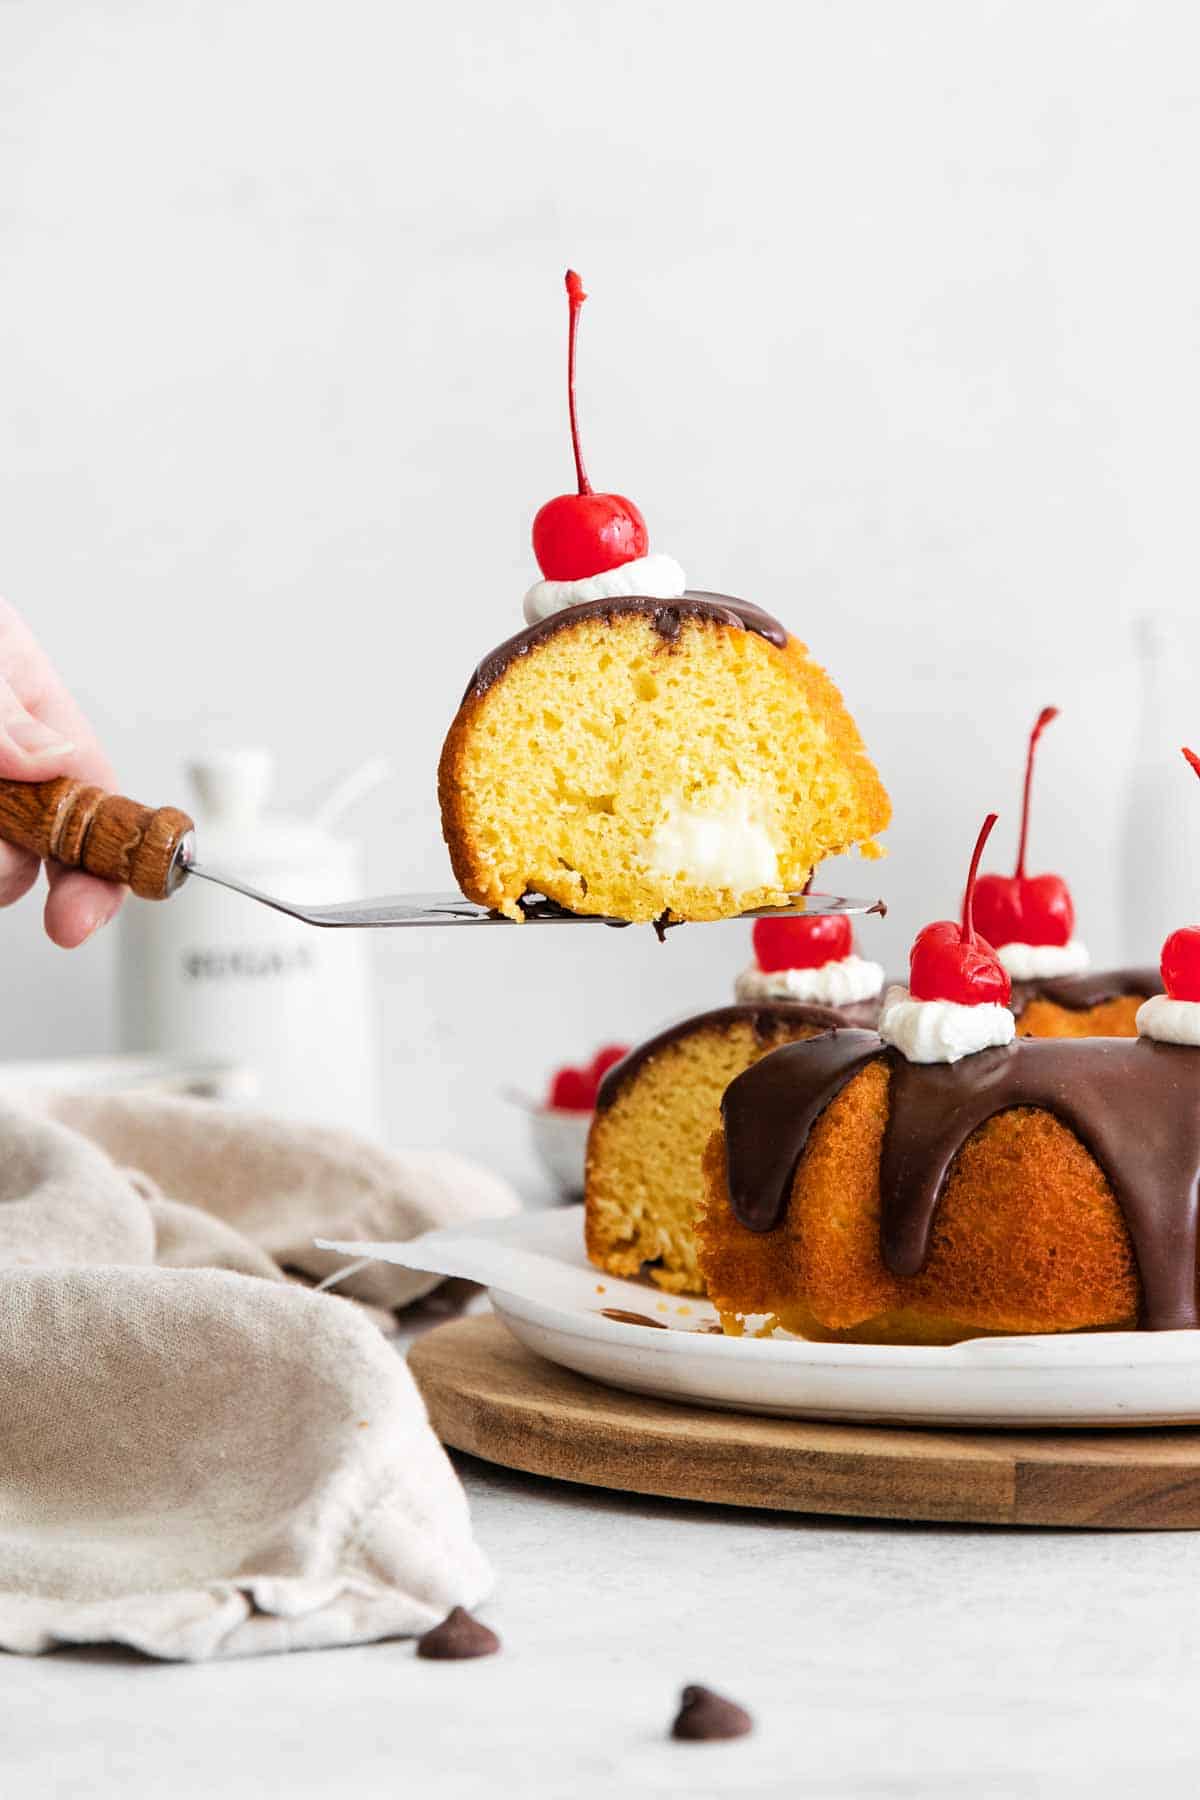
(1169, 1021)
(648, 577)
(724, 846)
(1038, 962)
(942, 1031)
(840, 982)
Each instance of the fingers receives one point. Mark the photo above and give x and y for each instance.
(18, 872)
(78, 905)
(30, 750)
(43, 733)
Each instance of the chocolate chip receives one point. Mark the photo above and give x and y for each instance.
(458, 1635)
(703, 1714)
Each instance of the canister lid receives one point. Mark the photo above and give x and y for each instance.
(235, 831)
(232, 785)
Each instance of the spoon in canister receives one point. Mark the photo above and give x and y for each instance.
(153, 852)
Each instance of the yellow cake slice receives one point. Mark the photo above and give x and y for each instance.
(653, 760)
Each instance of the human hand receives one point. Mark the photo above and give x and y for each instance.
(43, 734)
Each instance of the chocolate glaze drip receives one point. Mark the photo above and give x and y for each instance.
(536, 906)
(767, 1120)
(1133, 1104)
(1092, 987)
(765, 1017)
(631, 1318)
(666, 616)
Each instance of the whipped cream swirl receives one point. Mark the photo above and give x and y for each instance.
(942, 1031)
(1169, 1021)
(1039, 962)
(841, 982)
(646, 577)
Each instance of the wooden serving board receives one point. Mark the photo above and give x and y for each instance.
(488, 1395)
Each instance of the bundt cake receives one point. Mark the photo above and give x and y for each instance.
(942, 1178)
(655, 1112)
(642, 751)
(1040, 1186)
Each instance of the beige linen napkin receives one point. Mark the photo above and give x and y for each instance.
(279, 1185)
(198, 1458)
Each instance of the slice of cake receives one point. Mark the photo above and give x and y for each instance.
(655, 1112)
(642, 751)
(645, 759)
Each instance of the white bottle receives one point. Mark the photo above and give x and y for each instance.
(1160, 860)
(213, 973)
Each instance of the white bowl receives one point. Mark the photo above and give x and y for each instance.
(560, 1140)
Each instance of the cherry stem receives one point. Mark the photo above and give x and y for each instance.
(575, 300)
(1044, 718)
(968, 911)
(1192, 758)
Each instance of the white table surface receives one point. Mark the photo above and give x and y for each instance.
(881, 1661)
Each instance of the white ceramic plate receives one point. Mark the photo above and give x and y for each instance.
(550, 1296)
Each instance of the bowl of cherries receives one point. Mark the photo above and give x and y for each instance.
(560, 1123)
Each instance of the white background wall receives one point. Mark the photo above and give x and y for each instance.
(893, 329)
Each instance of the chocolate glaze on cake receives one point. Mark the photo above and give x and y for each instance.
(1078, 993)
(1132, 1103)
(766, 1017)
(666, 617)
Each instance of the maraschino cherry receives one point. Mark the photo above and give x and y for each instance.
(1020, 908)
(582, 534)
(1180, 964)
(575, 1089)
(802, 943)
(953, 962)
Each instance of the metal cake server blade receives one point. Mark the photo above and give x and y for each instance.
(153, 851)
(456, 909)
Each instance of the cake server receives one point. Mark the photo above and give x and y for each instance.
(153, 851)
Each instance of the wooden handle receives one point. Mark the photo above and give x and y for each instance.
(68, 822)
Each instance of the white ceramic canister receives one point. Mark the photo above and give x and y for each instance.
(209, 972)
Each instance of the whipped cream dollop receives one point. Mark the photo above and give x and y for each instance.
(837, 983)
(1169, 1021)
(725, 845)
(648, 577)
(1038, 962)
(942, 1031)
